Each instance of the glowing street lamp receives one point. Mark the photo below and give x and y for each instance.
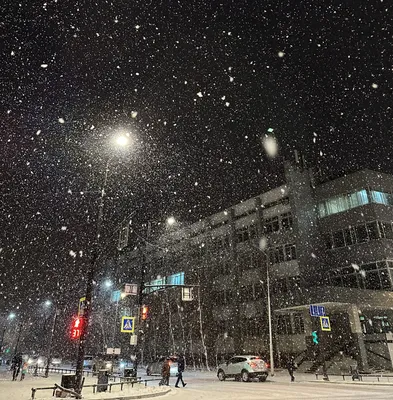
(171, 221)
(121, 141)
(108, 284)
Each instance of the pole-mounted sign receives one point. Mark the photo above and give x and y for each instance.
(127, 324)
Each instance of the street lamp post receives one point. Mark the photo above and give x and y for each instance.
(49, 356)
(121, 141)
(269, 305)
(269, 314)
(10, 317)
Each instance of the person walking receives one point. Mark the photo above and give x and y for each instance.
(180, 369)
(291, 367)
(17, 363)
(24, 370)
(165, 373)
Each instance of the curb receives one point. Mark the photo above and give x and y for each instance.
(138, 396)
(354, 383)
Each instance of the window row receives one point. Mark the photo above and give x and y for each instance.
(277, 223)
(376, 324)
(282, 253)
(345, 202)
(243, 294)
(284, 200)
(373, 276)
(246, 233)
(158, 284)
(359, 234)
(342, 203)
(290, 324)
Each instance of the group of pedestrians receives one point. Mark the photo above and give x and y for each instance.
(166, 371)
(17, 365)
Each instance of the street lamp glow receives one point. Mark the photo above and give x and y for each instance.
(12, 315)
(171, 221)
(48, 303)
(108, 283)
(122, 140)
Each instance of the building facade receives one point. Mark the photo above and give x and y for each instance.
(323, 243)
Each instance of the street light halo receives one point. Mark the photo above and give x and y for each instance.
(171, 220)
(122, 140)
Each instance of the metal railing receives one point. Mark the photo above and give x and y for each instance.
(126, 381)
(34, 369)
(361, 377)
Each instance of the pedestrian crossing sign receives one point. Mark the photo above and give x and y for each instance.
(325, 323)
(127, 324)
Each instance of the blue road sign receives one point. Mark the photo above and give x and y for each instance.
(325, 323)
(317, 311)
(127, 324)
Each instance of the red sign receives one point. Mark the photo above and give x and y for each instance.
(76, 328)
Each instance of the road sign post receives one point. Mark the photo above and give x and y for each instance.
(82, 306)
(133, 340)
(127, 324)
(325, 323)
(131, 289)
(113, 350)
(317, 311)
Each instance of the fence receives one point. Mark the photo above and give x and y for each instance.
(35, 369)
(127, 381)
(362, 377)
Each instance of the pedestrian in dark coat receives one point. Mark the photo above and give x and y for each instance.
(180, 369)
(16, 364)
(291, 367)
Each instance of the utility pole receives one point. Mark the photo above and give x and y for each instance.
(18, 339)
(138, 346)
(269, 313)
(89, 288)
(49, 356)
(2, 338)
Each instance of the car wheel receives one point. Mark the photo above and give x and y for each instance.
(262, 378)
(245, 377)
(221, 375)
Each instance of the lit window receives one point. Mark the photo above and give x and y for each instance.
(379, 197)
(342, 203)
(176, 279)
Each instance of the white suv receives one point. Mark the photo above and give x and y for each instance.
(244, 368)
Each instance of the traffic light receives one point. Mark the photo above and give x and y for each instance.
(76, 328)
(315, 338)
(144, 313)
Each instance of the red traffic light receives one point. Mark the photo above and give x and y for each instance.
(144, 313)
(76, 327)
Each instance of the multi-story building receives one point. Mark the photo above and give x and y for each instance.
(323, 243)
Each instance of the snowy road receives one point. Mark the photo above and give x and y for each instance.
(205, 386)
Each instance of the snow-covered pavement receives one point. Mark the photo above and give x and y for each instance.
(205, 386)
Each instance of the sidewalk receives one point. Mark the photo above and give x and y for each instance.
(21, 390)
(283, 376)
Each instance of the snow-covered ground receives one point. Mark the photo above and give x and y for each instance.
(205, 386)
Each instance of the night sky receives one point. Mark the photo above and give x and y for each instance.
(196, 84)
